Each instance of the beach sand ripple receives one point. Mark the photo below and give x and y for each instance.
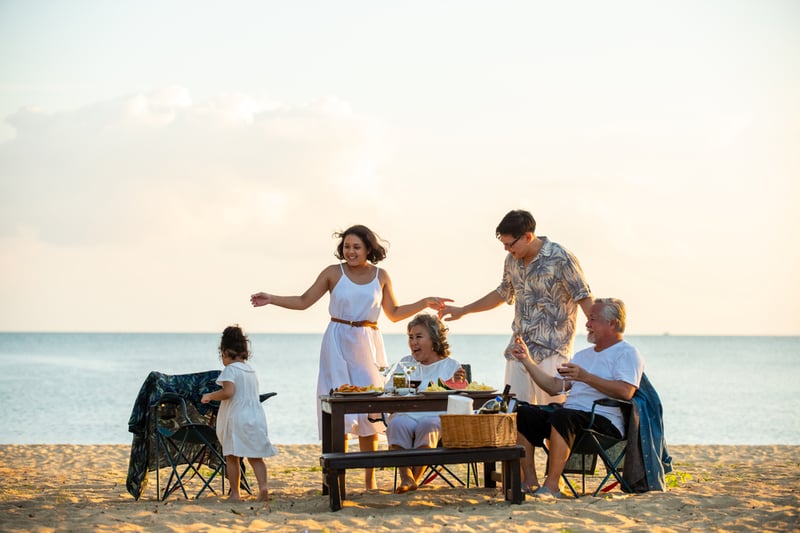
(46, 488)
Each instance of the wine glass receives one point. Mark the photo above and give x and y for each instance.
(561, 371)
(383, 370)
(409, 369)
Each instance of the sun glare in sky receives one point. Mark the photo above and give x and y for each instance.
(160, 162)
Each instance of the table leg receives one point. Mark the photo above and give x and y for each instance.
(337, 444)
(333, 439)
(326, 445)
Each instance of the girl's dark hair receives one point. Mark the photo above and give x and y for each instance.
(375, 250)
(436, 329)
(234, 343)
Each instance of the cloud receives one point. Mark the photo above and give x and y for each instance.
(159, 165)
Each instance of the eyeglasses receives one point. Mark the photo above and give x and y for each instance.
(511, 244)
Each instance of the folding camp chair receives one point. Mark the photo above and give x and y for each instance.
(144, 456)
(590, 443)
(443, 472)
(187, 443)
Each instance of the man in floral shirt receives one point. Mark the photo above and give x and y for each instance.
(546, 285)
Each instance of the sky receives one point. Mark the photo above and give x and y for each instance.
(161, 161)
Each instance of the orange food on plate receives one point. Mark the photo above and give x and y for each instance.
(355, 388)
(351, 388)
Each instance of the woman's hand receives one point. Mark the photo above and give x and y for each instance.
(206, 398)
(436, 303)
(260, 298)
(460, 375)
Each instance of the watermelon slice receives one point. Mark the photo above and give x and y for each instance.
(452, 384)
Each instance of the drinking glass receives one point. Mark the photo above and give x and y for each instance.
(383, 371)
(563, 379)
(409, 369)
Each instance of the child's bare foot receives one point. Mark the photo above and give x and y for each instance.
(263, 495)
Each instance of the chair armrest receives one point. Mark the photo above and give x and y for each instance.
(610, 402)
(381, 419)
(266, 396)
(606, 402)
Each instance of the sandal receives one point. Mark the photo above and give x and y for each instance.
(544, 492)
(530, 491)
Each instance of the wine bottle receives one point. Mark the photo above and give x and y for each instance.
(506, 398)
(492, 407)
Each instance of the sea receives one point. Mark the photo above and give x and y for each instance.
(79, 388)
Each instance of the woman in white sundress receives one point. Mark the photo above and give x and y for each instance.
(352, 344)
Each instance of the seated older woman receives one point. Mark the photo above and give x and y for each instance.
(427, 338)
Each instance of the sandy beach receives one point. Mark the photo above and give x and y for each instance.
(82, 488)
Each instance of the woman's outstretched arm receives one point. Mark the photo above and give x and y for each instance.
(324, 282)
(396, 312)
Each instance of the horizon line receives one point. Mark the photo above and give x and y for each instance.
(320, 333)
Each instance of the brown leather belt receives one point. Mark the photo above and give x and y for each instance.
(356, 323)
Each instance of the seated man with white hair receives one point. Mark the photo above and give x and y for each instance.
(612, 368)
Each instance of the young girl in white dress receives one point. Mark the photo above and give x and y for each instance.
(353, 345)
(241, 423)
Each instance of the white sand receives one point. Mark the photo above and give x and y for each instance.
(47, 488)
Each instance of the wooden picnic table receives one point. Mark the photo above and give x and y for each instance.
(335, 407)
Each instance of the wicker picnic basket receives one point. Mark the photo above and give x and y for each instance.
(477, 431)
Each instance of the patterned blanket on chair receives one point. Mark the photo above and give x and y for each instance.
(189, 386)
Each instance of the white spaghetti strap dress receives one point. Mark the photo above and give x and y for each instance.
(348, 353)
(241, 423)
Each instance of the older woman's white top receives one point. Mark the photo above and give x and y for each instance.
(442, 369)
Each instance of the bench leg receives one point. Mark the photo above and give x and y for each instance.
(512, 481)
(334, 489)
(342, 489)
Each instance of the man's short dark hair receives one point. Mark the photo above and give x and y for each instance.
(516, 223)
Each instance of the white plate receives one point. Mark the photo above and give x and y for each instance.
(366, 393)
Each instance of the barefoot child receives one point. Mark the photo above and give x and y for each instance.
(241, 424)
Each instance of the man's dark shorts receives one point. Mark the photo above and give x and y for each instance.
(535, 421)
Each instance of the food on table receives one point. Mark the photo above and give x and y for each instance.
(453, 384)
(433, 387)
(479, 386)
(355, 388)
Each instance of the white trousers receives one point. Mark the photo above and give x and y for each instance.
(408, 431)
(525, 388)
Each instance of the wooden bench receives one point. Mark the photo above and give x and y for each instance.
(334, 466)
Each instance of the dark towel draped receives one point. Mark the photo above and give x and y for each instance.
(189, 386)
(646, 459)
